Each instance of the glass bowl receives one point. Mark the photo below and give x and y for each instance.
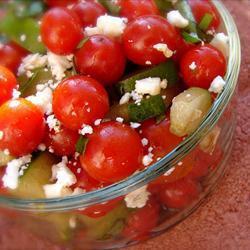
(63, 221)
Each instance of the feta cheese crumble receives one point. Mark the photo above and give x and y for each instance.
(125, 98)
(119, 119)
(10, 178)
(176, 19)
(144, 142)
(147, 159)
(86, 129)
(1, 135)
(22, 37)
(221, 42)
(162, 47)
(137, 198)
(107, 25)
(193, 66)
(150, 85)
(135, 124)
(217, 85)
(53, 123)
(41, 147)
(97, 122)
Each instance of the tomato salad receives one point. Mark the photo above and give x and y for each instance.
(92, 92)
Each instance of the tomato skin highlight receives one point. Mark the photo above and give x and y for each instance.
(63, 142)
(79, 100)
(88, 12)
(101, 58)
(11, 55)
(107, 158)
(143, 33)
(131, 9)
(8, 83)
(202, 7)
(61, 30)
(209, 62)
(23, 127)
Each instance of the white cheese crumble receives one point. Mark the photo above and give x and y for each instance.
(217, 85)
(150, 85)
(193, 66)
(43, 99)
(119, 119)
(144, 142)
(41, 147)
(107, 25)
(31, 62)
(72, 222)
(221, 42)
(164, 84)
(137, 198)
(125, 98)
(6, 151)
(163, 47)
(97, 122)
(53, 123)
(86, 129)
(59, 64)
(147, 159)
(22, 37)
(64, 179)
(148, 62)
(175, 18)
(10, 178)
(135, 124)
(1, 135)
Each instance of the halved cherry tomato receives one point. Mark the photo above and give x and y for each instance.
(114, 152)
(23, 126)
(8, 82)
(131, 9)
(88, 12)
(101, 58)
(179, 194)
(79, 100)
(140, 222)
(62, 142)
(209, 63)
(11, 55)
(143, 33)
(61, 30)
(61, 3)
(202, 7)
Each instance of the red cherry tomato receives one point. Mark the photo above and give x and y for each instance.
(88, 12)
(79, 100)
(61, 30)
(101, 58)
(11, 55)
(143, 33)
(202, 7)
(140, 222)
(62, 142)
(8, 82)
(209, 62)
(23, 127)
(179, 194)
(131, 9)
(61, 3)
(107, 158)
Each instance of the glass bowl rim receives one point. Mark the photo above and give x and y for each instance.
(141, 178)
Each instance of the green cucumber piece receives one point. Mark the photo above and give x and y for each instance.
(112, 8)
(164, 5)
(4, 159)
(14, 28)
(118, 110)
(38, 174)
(166, 70)
(205, 21)
(148, 108)
(106, 226)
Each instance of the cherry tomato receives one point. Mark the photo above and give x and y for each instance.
(23, 127)
(11, 55)
(202, 7)
(131, 9)
(101, 58)
(61, 30)
(209, 63)
(88, 12)
(179, 194)
(142, 221)
(62, 3)
(159, 136)
(143, 33)
(79, 100)
(8, 82)
(107, 158)
(62, 142)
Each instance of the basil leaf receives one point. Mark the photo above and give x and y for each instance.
(81, 144)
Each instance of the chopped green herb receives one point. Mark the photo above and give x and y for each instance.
(82, 42)
(190, 37)
(81, 144)
(205, 21)
(112, 8)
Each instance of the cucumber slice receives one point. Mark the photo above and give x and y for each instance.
(166, 70)
(4, 159)
(107, 226)
(38, 174)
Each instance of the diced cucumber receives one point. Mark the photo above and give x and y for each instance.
(118, 110)
(109, 225)
(38, 174)
(164, 5)
(4, 159)
(188, 110)
(166, 70)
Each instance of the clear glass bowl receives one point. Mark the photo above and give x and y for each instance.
(61, 222)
